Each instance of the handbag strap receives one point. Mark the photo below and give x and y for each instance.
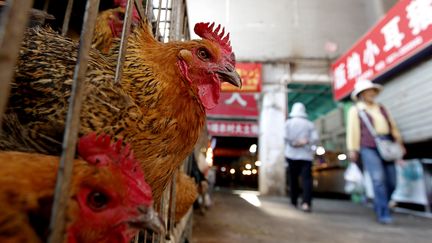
(367, 122)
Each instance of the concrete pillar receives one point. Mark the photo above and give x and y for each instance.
(272, 119)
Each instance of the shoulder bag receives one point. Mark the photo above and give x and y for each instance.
(388, 149)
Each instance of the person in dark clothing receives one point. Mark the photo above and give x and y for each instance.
(300, 135)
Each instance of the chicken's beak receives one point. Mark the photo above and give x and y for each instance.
(149, 219)
(230, 75)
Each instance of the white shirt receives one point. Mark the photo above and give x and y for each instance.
(298, 128)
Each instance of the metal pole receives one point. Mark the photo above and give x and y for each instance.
(171, 212)
(185, 23)
(68, 12)
(136, 240)
(140, 9)
(45, 9)
(149, 10)
(123, 42)
(158, 20)
(175, 18)
(46, 5)
(166, 20)
(159, 237)
(64, 173)
(13, 22)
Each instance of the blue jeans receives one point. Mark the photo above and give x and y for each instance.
(383, 175)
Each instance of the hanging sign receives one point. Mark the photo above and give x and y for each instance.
(232, 128)
(402, 33)
(250, 74)
(235, 105)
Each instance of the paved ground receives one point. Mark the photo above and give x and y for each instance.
(232, 219)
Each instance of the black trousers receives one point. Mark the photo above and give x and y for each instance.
(303, 169)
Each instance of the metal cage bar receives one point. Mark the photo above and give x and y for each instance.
(149, 10)
(45, 9)
(176, 27)
(13, 23)
(57, 222)
(173, 19)
(165, 20)
(67, 17)
(123, 41)
(158, 20)
(140, 9)
(172, 207)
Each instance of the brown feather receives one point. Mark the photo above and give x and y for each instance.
(154, 108)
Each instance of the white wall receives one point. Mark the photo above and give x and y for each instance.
(275, 31)
(280, 29)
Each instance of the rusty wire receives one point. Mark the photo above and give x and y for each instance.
(13, 23)
(64, 173)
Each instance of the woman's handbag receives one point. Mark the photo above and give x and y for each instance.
(388, 149)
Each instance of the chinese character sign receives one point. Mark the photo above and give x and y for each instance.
(250, 74)
(232, 128)
(403, 32)
(235, 105)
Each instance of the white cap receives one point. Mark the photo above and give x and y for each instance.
(362, 85)
(298, 110)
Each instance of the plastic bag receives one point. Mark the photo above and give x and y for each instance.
(353, 179)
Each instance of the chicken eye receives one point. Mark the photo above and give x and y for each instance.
(97, 200)
(203, 54)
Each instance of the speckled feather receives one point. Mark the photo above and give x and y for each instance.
(153, 108)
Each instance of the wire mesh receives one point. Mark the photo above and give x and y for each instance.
(124, 41)
(67, 17)
(13, 22)
(58, 217)
(169, 19)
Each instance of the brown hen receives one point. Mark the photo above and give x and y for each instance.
(159, 106)
(109, 199)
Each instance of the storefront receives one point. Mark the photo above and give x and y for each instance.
(233, 126)
(397, 53)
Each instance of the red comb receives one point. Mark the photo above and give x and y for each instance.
(101, 151)
(92, 148)
(205, 31)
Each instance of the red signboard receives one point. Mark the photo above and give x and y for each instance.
(232, 128)
(234, 105)
(250, 74)
(403, 32)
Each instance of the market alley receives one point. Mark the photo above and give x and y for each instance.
(233, 219)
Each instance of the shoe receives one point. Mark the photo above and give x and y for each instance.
(386, 220)
(306, 208)
(392, 204)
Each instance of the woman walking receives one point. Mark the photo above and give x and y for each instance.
(367, 120)
(300, 135)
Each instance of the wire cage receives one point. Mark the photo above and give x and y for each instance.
(170, 22)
